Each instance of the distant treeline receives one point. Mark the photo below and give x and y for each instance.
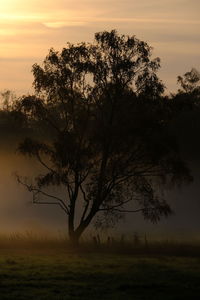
(185, 124)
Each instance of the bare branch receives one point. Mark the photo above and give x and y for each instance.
(37, 191)
(54, 203)
(83, 193)
(44, 164)
(127, 211)
(86, 205)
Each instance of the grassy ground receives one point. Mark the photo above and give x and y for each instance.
(56, 273)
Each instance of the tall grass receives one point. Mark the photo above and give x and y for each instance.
(136, 244)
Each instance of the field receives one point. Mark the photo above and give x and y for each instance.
(51, 271)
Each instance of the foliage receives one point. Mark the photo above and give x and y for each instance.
(190, 82)
(107, 144)
(8, 98)
(12, 121)
(188, 95)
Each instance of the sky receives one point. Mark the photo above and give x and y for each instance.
(28, 29)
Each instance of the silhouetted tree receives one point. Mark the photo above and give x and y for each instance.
(8, 98)
(188, 95)
(105, 141)
(11, 121)
(190, 82)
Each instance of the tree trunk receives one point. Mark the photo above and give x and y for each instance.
(75, 234)
(74, 239)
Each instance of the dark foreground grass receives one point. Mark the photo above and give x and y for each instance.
(60, 274)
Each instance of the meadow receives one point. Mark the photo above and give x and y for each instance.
(51, 269)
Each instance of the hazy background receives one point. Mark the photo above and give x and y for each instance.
(28, 29)
(17, 213)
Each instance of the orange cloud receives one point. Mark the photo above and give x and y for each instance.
(29, 28)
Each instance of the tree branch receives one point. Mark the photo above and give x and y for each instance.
(86, 206)
(127, 211)
(37, 191)
(43, 163)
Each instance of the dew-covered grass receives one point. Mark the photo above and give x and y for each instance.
(46, 271)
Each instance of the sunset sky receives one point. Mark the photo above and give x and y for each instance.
(28, 29)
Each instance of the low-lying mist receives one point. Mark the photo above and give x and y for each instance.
(18, 214)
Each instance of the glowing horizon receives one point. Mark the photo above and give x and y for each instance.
(29, 29)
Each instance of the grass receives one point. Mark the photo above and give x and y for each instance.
(47, 270)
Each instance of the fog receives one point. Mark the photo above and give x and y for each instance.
(18, 214)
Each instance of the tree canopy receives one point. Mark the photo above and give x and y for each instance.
(105, 140)
(190, 82)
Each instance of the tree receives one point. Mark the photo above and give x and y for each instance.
(190, 82)
(104, 139)
(11, 120)
(7, 98)
(188, 95)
